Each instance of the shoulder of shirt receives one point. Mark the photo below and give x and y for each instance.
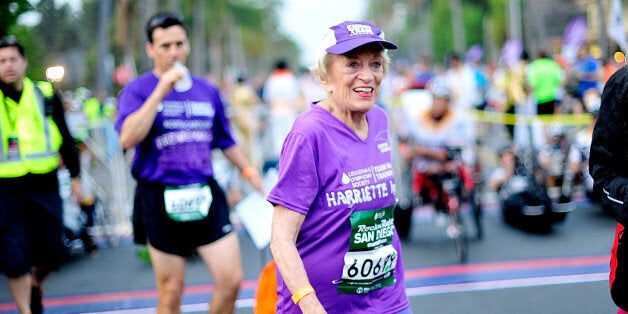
(315, 120)
(312, 123)
(140, 80)
(378, 110)
(206, 82)
(46, 88)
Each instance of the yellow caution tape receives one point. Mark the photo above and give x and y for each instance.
(575, 119)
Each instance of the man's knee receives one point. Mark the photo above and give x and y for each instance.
(40, 273)
(170, 292)
(231, 283)
(14, 261)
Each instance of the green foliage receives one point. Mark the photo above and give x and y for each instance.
(412, 36)
(10, 11)
(34, 54)
(474, 15)
(497, 19)
(63, 34)
(443, 42)
(254, 24)
(480, 4)
(248, 17)
(89, 23)
(59, 29)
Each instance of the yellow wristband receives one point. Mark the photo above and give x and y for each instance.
(249, 172)
(297, 296)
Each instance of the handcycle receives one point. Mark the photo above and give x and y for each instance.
(524, 194)
(448, 188)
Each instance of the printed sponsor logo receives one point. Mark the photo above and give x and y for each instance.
(187, 124)
(382, 138)
(172, 108)
(383, 147)
(363, 185)
(359, 29)
(183, 136)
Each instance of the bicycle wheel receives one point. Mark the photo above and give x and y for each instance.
(461, 247)
(476, 207)
(457, 232)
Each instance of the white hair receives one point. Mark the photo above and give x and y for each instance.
(324, 58)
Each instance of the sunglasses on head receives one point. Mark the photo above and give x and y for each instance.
(8, 41)
(162, 20)
(165, 20)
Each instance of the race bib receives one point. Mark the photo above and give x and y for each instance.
(13, 148)
(188, 203)
(371, 260)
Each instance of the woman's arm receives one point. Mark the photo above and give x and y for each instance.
(285, 229)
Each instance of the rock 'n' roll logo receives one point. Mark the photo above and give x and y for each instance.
(359, 29)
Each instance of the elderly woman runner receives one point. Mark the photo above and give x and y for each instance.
(333, 237)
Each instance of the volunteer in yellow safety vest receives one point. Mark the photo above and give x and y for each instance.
(33, 132)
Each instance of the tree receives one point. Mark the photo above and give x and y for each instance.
(10, 11)
(60, 40)
(228, 35)
(424, 27)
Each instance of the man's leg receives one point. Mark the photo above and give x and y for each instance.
(40, 273)
(225, 264)
(88, 207)
(170, 278)
(21, 291)
(15, 254)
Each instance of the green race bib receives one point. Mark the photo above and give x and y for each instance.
(371, 260)
(188, 203)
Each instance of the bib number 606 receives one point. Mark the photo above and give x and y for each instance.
(366, 265)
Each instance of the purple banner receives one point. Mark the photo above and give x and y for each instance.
(474, 54)
(574, 36)
(511, 52)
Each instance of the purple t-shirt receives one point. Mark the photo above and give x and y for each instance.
(327, 173)
(188, 125)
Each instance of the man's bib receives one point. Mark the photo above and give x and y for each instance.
(188, 202)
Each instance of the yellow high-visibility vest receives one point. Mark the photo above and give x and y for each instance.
(37, 136)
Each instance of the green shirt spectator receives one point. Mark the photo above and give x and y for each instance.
(545, 77)
(91, 108)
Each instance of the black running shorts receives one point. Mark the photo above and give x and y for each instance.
(152, 223)
(31, 231)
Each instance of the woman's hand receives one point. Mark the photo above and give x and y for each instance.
(311, 305)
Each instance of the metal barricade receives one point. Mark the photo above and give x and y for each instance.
(109, 177)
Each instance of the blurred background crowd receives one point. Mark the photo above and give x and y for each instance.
(503, 58)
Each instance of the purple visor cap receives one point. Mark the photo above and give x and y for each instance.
(353, 34)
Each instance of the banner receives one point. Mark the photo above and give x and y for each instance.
(574, 36)
(616, 30)
(474, 54)
(511, 52)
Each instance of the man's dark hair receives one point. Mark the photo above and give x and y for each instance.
(281, 64)
(542, 54)
(11, 41)
(452, 56)
(162, 20)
